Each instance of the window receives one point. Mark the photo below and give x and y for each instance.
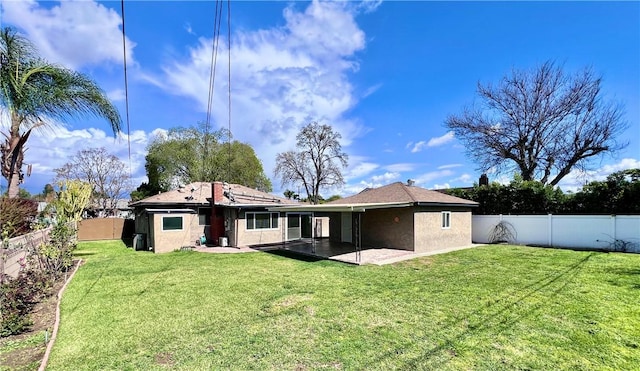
(446, 219)
(262, 220)
(204, 216)
(171, 223)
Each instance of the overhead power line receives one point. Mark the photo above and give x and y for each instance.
(126, 84)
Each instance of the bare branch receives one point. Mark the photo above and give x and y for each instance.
(540, 123)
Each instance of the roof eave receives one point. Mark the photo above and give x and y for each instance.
(447, 204)
(356, 207)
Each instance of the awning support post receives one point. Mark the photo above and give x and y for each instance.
(358, 238)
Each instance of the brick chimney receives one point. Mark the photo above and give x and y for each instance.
(217, 192)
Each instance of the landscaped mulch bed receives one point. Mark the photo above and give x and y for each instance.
(25, 351)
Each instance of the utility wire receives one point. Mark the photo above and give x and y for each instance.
(229, 83)
(212, 76)
(126, 84)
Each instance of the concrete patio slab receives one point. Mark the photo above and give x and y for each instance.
(376, 256)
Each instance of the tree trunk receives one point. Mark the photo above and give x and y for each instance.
(14, 185)
(12, 159)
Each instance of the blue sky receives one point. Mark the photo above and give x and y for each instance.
(383, 74)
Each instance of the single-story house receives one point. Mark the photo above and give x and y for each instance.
(225, 214)
(396, 216)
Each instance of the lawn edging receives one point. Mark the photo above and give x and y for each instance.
(54, 332)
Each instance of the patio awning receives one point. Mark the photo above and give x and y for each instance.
(341, 208)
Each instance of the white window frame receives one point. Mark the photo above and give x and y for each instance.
(445, 221)
(173, 230)
(254, 213)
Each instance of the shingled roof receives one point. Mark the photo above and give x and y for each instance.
(199, 193)
(392, 195)
(401, 193)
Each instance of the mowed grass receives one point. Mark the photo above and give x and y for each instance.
(491, 307)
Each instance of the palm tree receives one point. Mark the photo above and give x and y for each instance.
(33, 91)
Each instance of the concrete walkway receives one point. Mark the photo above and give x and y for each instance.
(390, 256)
(224, 250)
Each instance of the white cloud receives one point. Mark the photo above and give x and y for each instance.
(450, 166)
(438, 141)
(433, 142)
(426, 178)
(441, 186)
(400, 167)
(464, 178)
(369, 5)
(577, 178)
(281, 78)
(359, 169)
(370, 90)
(385, 178)
(419, 146)
(72, 33)
(116, 95)
(51, 149)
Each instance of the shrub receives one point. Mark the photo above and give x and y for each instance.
(56, 256)
(18, 297)
(16, 215)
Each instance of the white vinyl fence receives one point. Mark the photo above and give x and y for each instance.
(606, 232)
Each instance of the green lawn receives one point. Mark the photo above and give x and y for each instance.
(493, 307)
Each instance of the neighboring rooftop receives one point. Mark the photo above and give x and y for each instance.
(199, 193)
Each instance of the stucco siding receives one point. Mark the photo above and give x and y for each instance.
(171, 240)
(430, 236)
(391, 228)
(248, 237)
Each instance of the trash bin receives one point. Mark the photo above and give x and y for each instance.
(223, 241)
(139, 241)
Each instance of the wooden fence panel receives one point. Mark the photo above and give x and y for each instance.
(105, 229)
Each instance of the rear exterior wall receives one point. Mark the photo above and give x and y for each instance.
(389, 228)
(248, 237)
(171, 240)
(431, 236)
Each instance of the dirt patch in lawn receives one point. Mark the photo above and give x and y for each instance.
(25, 351)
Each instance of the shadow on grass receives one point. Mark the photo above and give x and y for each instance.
(83, 253)
(506, 313)
(87, 291)
(295, 255)
(626, 277)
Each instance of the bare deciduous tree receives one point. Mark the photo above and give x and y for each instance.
(106, 173)
(317, 163)
(541, 123)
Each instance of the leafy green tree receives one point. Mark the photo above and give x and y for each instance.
(193, 154)
(33, 92)
(48, 193)
(619, 193)
(333, 198)
(317, 163)
(517, 197)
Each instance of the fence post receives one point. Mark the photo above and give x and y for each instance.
(550, 229)
(613, 228)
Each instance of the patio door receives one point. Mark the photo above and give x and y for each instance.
(299, 226)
